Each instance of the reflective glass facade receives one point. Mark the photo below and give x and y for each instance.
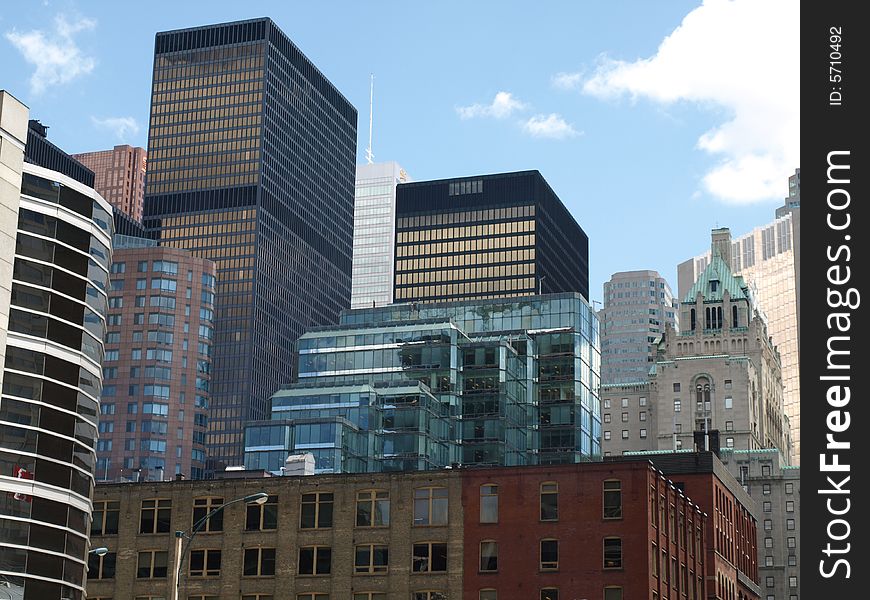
(421, 386)
(52, 381)
(251, 164)
(493, 236)
(374, 233)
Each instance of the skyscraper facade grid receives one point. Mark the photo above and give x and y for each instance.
(251, 164)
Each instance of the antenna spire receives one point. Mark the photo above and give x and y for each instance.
(369, 156)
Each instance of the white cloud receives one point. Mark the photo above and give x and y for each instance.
(55, 54)
(742, 55)
(551, 126)
(568, 81)
(501, 107)
(120, 126)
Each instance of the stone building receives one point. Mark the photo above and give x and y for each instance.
(769, 260)
(776, 489)
(720, 372)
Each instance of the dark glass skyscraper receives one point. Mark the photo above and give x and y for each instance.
(491, 236)
(251, 163)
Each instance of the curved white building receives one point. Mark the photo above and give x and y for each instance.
(53, 278)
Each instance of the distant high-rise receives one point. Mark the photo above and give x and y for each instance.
(374, 233)
(489, 236)
(54, 271)
(158, 363)
(119, 177)
(638, 305)
(768, 259)
(251, 163)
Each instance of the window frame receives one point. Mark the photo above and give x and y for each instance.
(550, 564)
(319, 504)
(429, 557)
(549, 492)
(371, 568)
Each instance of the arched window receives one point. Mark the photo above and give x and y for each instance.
(692, 318)
(734, 317)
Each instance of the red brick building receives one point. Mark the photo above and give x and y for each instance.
(732, 551)
(612, 531)
(119, 177)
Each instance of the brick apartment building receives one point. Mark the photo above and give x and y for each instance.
(605, 531)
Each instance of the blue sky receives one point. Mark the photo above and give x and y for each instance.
(653, 121)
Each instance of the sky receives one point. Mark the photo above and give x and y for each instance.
(654, 122)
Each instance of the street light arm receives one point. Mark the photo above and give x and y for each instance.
(258, 498)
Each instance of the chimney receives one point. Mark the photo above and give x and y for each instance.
(721, 244)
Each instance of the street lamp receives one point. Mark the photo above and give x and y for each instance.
(101, 551)
(258, 498)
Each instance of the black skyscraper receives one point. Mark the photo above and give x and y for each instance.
(491, 236)
(251, 155)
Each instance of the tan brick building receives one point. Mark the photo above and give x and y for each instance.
(315, 538)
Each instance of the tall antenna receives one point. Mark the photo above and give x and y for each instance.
(369, 156)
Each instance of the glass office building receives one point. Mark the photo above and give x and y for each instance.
(374, 233)
(492, 236)
(54, 277)
(251, 163)
(424, 386)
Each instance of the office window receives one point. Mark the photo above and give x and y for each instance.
(789, 488)
(768, 542)
(677, 405)
(789, 506)
(606, 435)
(607, 417)
(641, 416)
(430, 506)
(654, 561)
(729, 425)
(202, 507)
(262, 517)
(316, 510)
(729, 442)
(766, 506)
(789, 524)
(765, 489)
(765, 470)
(489, 503)
(791, 542)
(549, 501)
(607, 403)
(792, 560)
(613, 593)
(429, 557)
(105, 517)
(625, 434)
(625, 403)
(625, 417)
(371, 558)
(154, 515)
(643, 434)
(315, 560)
(373, 508)
(642, 401)
(768, 561)
(205, 563)
(102, 567)
(152, 564)
(729, 402)
(769, 582)
(613, 553)
(550, 594)
(768, 525)
(428, 595)
(489, 555)
(259, 562)
(549, 555)
(676, 387)
(612, 499)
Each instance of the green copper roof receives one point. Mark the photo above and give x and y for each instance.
(719, 272)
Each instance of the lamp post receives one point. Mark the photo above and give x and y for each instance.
(101, 551)
(180, 536)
